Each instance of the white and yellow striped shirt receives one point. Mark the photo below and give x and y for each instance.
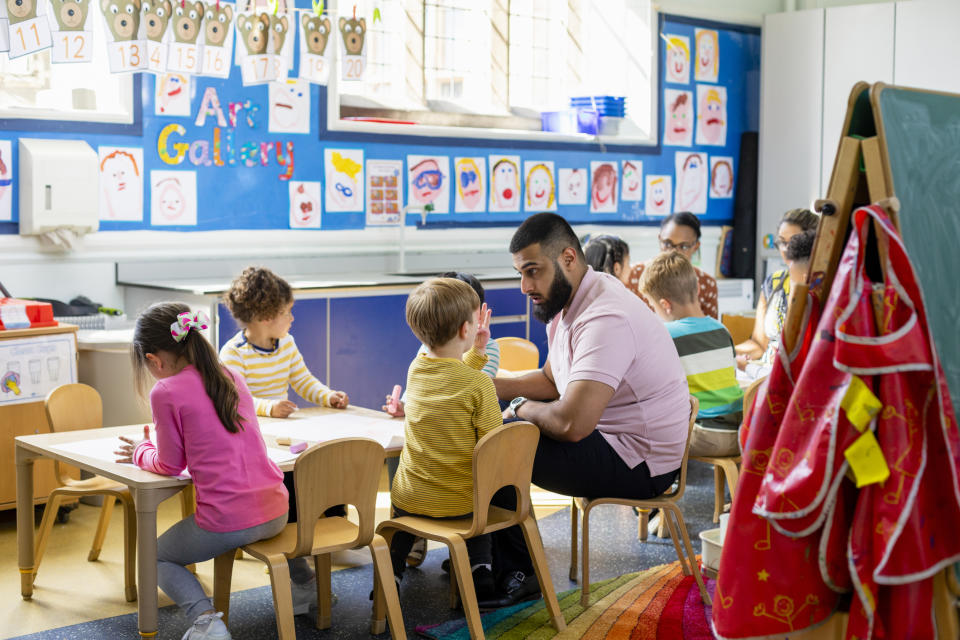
(450, 405)
(268, 374)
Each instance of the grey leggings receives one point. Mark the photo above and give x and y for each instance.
(186, 543)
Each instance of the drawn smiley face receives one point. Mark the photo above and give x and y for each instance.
(123, 18)
(154, 15)
(215, 24)
(316, 32)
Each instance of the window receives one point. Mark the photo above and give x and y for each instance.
(488, 68)
(32, 87)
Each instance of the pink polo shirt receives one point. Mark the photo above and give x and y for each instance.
(609, 335)
(237, 484)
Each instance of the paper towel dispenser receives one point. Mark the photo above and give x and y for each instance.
(59, 186)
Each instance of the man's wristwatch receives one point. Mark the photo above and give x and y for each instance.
(515, 404)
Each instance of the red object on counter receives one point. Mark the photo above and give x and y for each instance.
(40, 314)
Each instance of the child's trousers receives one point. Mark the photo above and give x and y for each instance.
(479, 548)
(186, 543)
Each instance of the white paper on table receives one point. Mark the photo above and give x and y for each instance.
(103, 448)
(339, 425)
(280, 456)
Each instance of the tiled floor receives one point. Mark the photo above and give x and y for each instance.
(71, 591)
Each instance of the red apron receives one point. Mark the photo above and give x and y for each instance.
(817, 534)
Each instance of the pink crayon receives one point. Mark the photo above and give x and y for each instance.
(297, 448)
(394, 401)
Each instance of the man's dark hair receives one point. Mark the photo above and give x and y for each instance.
(551, 231)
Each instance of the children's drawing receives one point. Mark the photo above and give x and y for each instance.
(384, 192)
(344, 171)
(428, 182)
(721, 177)
(540, 187)
(289, 106)
(572, 186)
(173, 198)
(504, 183)
(304, 205)
(678, 59)
(352, 34)
(632, 184)
(172, 96)
(470, 175)
(659, 195)
(711, 115)
(678, 118)
(6, 181)
(691, 193)
(314, 38)
(121, 183)
(603, 187)
(708, 55)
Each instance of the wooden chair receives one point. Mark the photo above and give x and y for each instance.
(726, 469)
(517, 354)
(502, 458)
(71, 407)
(667, 503)
(344, 471)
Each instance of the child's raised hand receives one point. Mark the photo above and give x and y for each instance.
(483, 328)
(125, 452)
(282, 408)
(339, 400)
(397, 412)
(742, 362)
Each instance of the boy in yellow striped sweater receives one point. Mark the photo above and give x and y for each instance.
(451, 404)
(264, 352)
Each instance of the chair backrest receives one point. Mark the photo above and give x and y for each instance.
(677, 493)
(503, 458)
(344, 471)
(517, 354)
(72, 407)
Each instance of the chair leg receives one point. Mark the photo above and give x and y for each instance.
(105, 512)
(239, 554)
(574, 524)
(693, 560)
(129, 547)
(460, 563)
(535, 544)
(46, 524)
(585, 555)
(732, 472)
(322, 566)
(667, 521)
(282, 596)
(385, 591)
(718, 492)
(222, 577)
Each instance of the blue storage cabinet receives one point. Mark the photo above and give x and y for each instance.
(538, 336)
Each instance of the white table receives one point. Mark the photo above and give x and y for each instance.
(148, 489)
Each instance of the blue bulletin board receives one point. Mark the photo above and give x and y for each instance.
(243, 173)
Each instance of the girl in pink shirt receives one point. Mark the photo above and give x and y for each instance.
(205, 421)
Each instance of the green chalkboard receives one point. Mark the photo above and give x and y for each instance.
(920, 134)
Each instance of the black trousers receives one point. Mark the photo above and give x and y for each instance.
(478, 547)
(589, 468)
(339, 510)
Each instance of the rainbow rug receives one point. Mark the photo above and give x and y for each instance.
(657, 604)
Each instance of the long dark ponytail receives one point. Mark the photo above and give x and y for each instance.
(152, 334)
(604, 251)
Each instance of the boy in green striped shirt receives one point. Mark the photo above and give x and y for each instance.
(706, 352)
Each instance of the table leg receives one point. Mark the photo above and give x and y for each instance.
(147, 501)
(24, 462)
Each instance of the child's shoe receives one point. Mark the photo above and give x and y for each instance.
(417, 553)
(208, 626)
(304, 596)
(483, 583)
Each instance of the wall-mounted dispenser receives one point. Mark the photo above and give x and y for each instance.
(59, 187)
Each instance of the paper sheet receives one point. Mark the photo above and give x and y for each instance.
(333, 426)
(103, 448)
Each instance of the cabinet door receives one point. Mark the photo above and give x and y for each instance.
(927, 46)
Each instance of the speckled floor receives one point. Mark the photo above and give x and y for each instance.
(614, 550)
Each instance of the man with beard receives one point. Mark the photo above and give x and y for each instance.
(611, 401)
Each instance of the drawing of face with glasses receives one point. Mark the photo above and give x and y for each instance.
(426, 181)
(469, 183)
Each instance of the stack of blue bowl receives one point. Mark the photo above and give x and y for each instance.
(605, 106)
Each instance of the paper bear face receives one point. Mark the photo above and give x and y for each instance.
(186, 22)
(21, 10)
(216, 23)
(316, 32)
(254, 32)
(353, 32)
(278, 25)
(155, 14)
(123, 18)
(71, 15)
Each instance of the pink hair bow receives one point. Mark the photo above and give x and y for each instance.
(186, 321)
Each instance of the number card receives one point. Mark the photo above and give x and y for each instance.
(353, 32)
(184, 57)
(314, 38)
(184, 52)
(157, 56)
(29, 36)
(256, 63)
(72, 46)
(217, 40)
(258, 69)
(126, 52)
(4, 34)
(127, 56)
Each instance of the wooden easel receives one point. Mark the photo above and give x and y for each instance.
(861, 176)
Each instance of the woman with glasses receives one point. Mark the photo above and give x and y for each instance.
(774, 293)
(681, 232)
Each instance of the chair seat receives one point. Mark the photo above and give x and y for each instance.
(330, 534)
(435, 529)
(96, 484)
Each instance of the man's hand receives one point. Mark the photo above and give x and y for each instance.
(282, 409)
(125, 451)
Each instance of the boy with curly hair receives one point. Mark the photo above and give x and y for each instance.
(264, 352)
